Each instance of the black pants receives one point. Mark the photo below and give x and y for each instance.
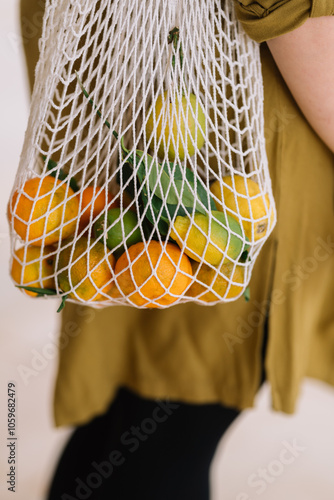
(143, 449)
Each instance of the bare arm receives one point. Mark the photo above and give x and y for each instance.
(305, 58)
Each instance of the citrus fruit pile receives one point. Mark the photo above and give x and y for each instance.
(91, 245)
(165, 235)
(86, 246)
(46, 213)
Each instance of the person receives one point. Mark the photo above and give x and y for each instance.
(151, 392)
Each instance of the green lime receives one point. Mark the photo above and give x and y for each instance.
(119, 229)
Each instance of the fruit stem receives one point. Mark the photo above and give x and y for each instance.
(52, 167)
(91, 102)
(246, 294)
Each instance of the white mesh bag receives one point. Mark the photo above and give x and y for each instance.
(143, 178)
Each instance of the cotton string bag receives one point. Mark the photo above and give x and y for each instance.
(143, 178)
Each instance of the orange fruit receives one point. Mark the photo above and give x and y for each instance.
(97, 198)
(153, 275)
(208, 281)
(43, 211)
(87, 273)
(34, 268)
(114, 293)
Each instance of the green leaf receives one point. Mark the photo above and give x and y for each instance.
(166, 190)
(126, 179)
(152, 204)
(53, 165)
(124, 149)
(202, 191)
(40, 291)
(246, 294)
(162, 196)
(244, 255)
(178, 185)
(56, 172)
(62, 305)
(152, 211)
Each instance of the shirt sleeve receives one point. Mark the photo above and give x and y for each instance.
(266, 19)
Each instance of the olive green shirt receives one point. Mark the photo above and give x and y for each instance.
(203, 354)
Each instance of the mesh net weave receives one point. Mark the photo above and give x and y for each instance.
(143, 178)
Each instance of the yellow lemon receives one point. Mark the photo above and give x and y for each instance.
(182, 126)
(34, 268)
(88, 270)
(252, 206)
(209, 281)
(206, 240)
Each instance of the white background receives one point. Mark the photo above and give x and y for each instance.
(257, 443)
